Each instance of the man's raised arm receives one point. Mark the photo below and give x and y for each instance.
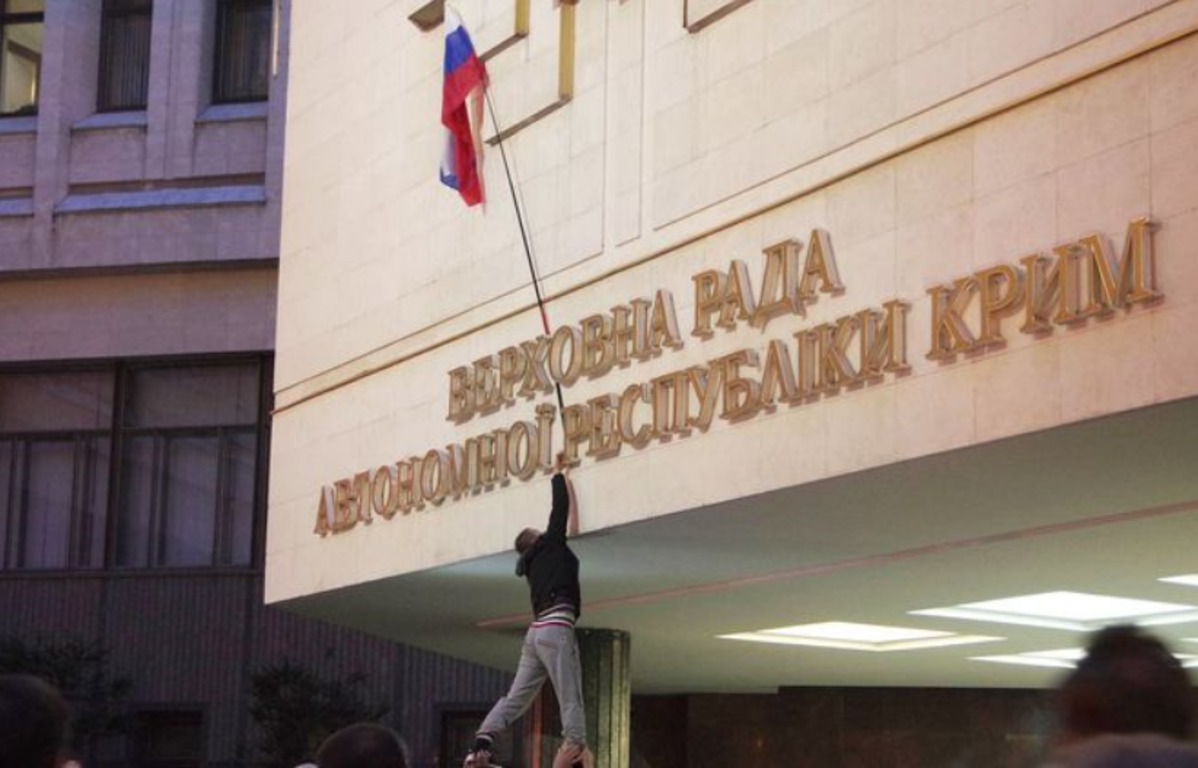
(559, 516)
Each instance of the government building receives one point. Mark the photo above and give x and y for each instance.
(868, 329)
(873, 322)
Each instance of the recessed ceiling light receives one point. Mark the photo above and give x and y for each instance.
(1189, 579)
(857, 637)
(1063, 658)
(1028, 660)
(1078, 611)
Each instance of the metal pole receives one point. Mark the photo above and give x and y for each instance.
(536, 283)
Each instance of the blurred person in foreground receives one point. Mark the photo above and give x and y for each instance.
(33, 723)
(363, 745)
(1129, 704)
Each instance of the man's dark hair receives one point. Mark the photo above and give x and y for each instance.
(1129, 682)
(33, 723)
(525, 539)
(363, 745)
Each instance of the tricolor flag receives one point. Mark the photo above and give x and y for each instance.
(465, 78)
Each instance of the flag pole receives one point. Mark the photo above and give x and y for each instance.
(536, 282)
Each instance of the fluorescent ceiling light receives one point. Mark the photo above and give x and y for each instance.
(1063, 658)
(858, 637)
(1189, 579)
(1077, 611)
(1028, 660)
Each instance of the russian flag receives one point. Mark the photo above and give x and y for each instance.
(465, 78)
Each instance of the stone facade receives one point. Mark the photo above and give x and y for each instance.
(930, 142)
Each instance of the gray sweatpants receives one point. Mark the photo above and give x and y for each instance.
(548, 652)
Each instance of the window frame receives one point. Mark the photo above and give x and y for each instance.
(120, 369)
(22, 440)
(265, 364)
(106, 57)
(26, 17)
(219, 57)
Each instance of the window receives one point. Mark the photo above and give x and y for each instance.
(21, 23)
(189, 446)
(167, 739)
(242, 52)
(124, 54)
(132, 465)
(55, 444)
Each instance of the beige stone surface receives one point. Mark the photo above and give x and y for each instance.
(929, 139)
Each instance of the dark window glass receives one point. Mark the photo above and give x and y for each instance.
(242, 51)
(168, 739)
(124, 54)
(188, 466)
(21, 24)
(55, 459)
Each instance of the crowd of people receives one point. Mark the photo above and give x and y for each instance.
(1128, 704)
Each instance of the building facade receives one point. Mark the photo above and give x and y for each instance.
(872, 322)
(141, 158)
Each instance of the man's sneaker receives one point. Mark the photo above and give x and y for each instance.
(571, 755)
(479, 758)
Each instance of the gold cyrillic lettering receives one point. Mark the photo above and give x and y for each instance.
(576, 424)
(566, 339)
(780, 285)
(708, 383)
(1000, 289)
(663, 330)
(598, 350)
(640, 437)
(738, 302)
(819, 268)
(522, 449)
(486, 384)
(434, 476)
(950, 332)
(545, 416)
(384, 491)
(659, 398)
(324, 512)
(834, 369)
(536, 378)
(742, 396)
(512, 367)
(409, 485)
(777, 376)
(710, 286)
(461, 394)
(883, 342)
(605, 433)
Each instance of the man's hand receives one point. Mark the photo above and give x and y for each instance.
(560, 465)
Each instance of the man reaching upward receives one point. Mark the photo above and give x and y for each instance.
(550, 648)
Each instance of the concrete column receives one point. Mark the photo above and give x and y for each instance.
(607, 694)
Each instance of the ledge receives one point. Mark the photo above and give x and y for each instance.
(15, 125)
(192, 197)
(102, 120)
(13, 207)
(139, 269)
(231, 113)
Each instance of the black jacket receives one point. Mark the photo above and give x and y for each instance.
(549, 565)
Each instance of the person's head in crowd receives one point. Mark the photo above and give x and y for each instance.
(33, 723)
(363, 745)
(1128, 683)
